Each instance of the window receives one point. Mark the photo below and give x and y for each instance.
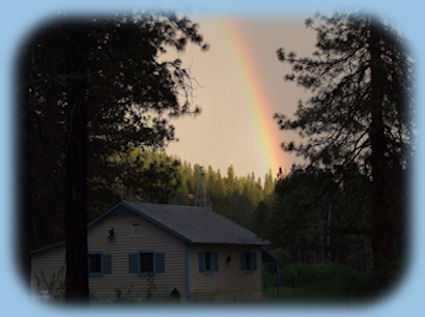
(95, 263)
(146, 261)
(208, 259)
(248, 261)
(99, 264)
(208, 262)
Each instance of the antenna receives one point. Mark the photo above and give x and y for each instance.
(201, 192)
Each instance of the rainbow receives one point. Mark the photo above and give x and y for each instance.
(269, 135)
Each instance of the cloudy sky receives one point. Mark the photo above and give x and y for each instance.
(238, 84)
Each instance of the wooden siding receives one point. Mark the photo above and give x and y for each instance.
(127, 239)
(230, 282)
(48, 272)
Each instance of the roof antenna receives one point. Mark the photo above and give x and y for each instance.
(201, 192)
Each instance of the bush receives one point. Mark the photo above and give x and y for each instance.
(324, 281)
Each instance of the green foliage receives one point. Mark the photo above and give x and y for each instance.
(331, 281)
(147, 176)
(303, 199)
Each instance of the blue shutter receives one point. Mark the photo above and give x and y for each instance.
(215, 262)
(201, 262)
(132, 263)
(160, 262)
(254, 261)
(243, 254)
(107, 264)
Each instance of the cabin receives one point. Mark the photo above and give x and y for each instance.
(139, 251)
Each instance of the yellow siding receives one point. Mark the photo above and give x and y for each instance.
(48, 272)
(126, 241)
(149, 237)
(230, 282)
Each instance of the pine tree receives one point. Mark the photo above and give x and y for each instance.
(103, 88)
(359, 113)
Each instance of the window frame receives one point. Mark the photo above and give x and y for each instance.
(95, 274)
(212, 255)
(139, 272)
(251, 255)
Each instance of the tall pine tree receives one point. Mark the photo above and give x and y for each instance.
(358, 113)
(94, 87)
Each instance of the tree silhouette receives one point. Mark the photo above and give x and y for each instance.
(92, 88)
(358, 113)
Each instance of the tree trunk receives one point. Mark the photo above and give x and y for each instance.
(24, 222)
(76, 281)
(328, 234)
(380, 200)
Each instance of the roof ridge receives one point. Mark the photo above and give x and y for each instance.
(190, 224)
(160, 204)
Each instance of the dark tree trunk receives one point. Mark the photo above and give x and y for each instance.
(24, 221)
(76, 282)
(380, 200)
(25, 201)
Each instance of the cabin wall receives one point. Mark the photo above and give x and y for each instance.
(132, 239)
(230, 282)
(48, 273)
(128, 238)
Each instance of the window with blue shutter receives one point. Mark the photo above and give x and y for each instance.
(208, 262)
(248, 261)
(146, 263)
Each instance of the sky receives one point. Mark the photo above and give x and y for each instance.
(238, 83)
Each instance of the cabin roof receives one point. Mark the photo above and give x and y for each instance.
(196, 224)
(190, 224)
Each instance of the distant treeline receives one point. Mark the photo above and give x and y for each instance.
(158, 178)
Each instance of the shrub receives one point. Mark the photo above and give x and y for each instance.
(325, 281)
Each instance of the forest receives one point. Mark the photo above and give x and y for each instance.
(93, 132)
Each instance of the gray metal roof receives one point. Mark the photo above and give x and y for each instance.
(194, 224)
(191, 224)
